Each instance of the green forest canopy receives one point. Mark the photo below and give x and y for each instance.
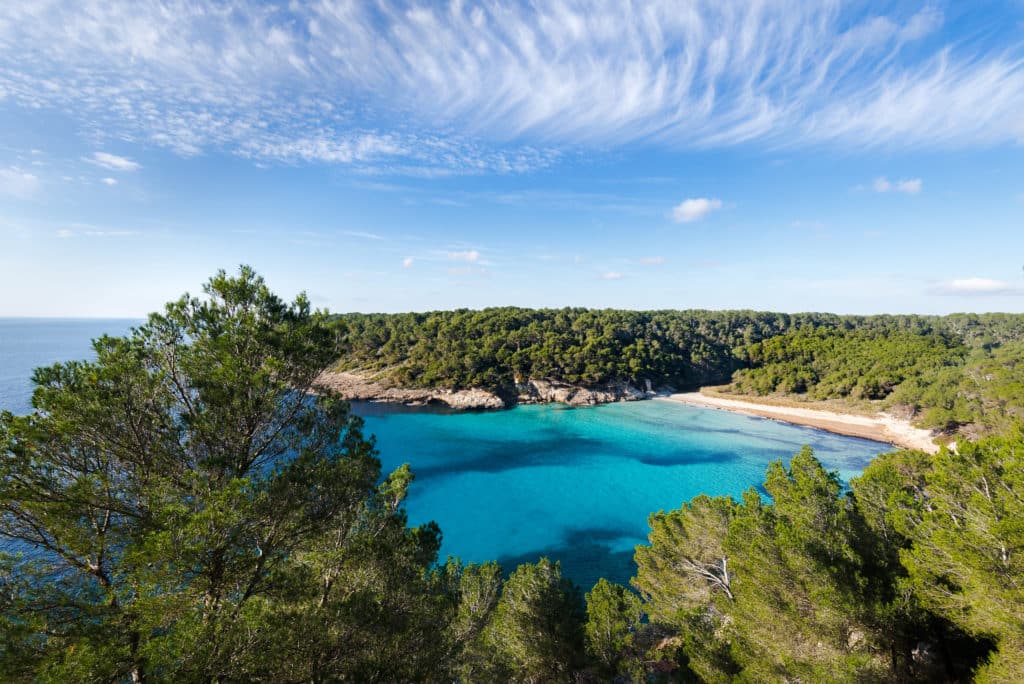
(180, 509)
(952, 371)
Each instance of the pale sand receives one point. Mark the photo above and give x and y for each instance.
(881, 428)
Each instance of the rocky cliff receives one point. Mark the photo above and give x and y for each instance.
(359, 387)
(546, 391)
(355, 387)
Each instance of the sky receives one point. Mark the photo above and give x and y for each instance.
(394, 156)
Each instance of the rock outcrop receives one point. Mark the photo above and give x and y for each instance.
(360, 387)
(546, 391)
(357, 387)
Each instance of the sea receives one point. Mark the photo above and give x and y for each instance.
(573, 484)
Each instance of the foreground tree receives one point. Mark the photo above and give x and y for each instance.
(809, 585)
(613, 623)
(536, 633)
(185, 508)
(961, 520)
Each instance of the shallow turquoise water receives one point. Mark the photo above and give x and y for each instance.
(573, 484)
(577, 485)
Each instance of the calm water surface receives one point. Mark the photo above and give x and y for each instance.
(576, 485)
(26, 343)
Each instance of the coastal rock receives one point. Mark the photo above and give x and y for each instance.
(361, 387)
(358, 387)
(546, 391)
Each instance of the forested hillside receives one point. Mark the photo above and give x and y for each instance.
(495, 348)
(957, 371)
(183, 509)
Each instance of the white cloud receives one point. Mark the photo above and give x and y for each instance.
(361, 234)
(468, 255)
(110, 233)
(694, 209)
(15, 182)
(382, 85)
(94, 233)
(109, 181)
(910, 186)
(652, 261)
(407, 262)
(977, 287)
(114, 162)
(611, 275)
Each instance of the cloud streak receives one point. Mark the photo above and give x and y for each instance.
(469, 256)
(909, 186)
(114, 162)
(15, 182)
(382, 86)
(976, 287)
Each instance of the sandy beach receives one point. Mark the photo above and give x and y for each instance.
(882, 427)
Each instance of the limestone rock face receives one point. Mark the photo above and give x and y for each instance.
(545, 391)
(357, 387)
(360, 387)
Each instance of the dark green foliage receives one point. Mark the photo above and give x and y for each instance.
(613, 620)
(476, 589)
(964, 520)
(912, 576)
(949, 381)
(955, 372)
(496, 348)
(829, 363)
(801, 607)
(686, 567)
(185, 510)
(536, 633)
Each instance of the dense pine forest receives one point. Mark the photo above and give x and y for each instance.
(184, 508)
(962, 372)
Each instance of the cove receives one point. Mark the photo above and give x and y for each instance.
(577, 485)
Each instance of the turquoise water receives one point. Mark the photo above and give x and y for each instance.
(576, 485)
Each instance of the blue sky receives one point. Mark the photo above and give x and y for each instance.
(393, 156)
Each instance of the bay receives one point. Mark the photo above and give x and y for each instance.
(576, 485)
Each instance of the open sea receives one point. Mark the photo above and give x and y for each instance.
(575, 485)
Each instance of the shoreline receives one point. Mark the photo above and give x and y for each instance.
(880, 428)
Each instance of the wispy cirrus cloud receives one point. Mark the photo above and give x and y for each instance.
(652, 260)
(909, 186)
(470, 256)
(976, 287)
(16, 182)
(114, 162)
(383, 86)
(65, 233)
(362, 234)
